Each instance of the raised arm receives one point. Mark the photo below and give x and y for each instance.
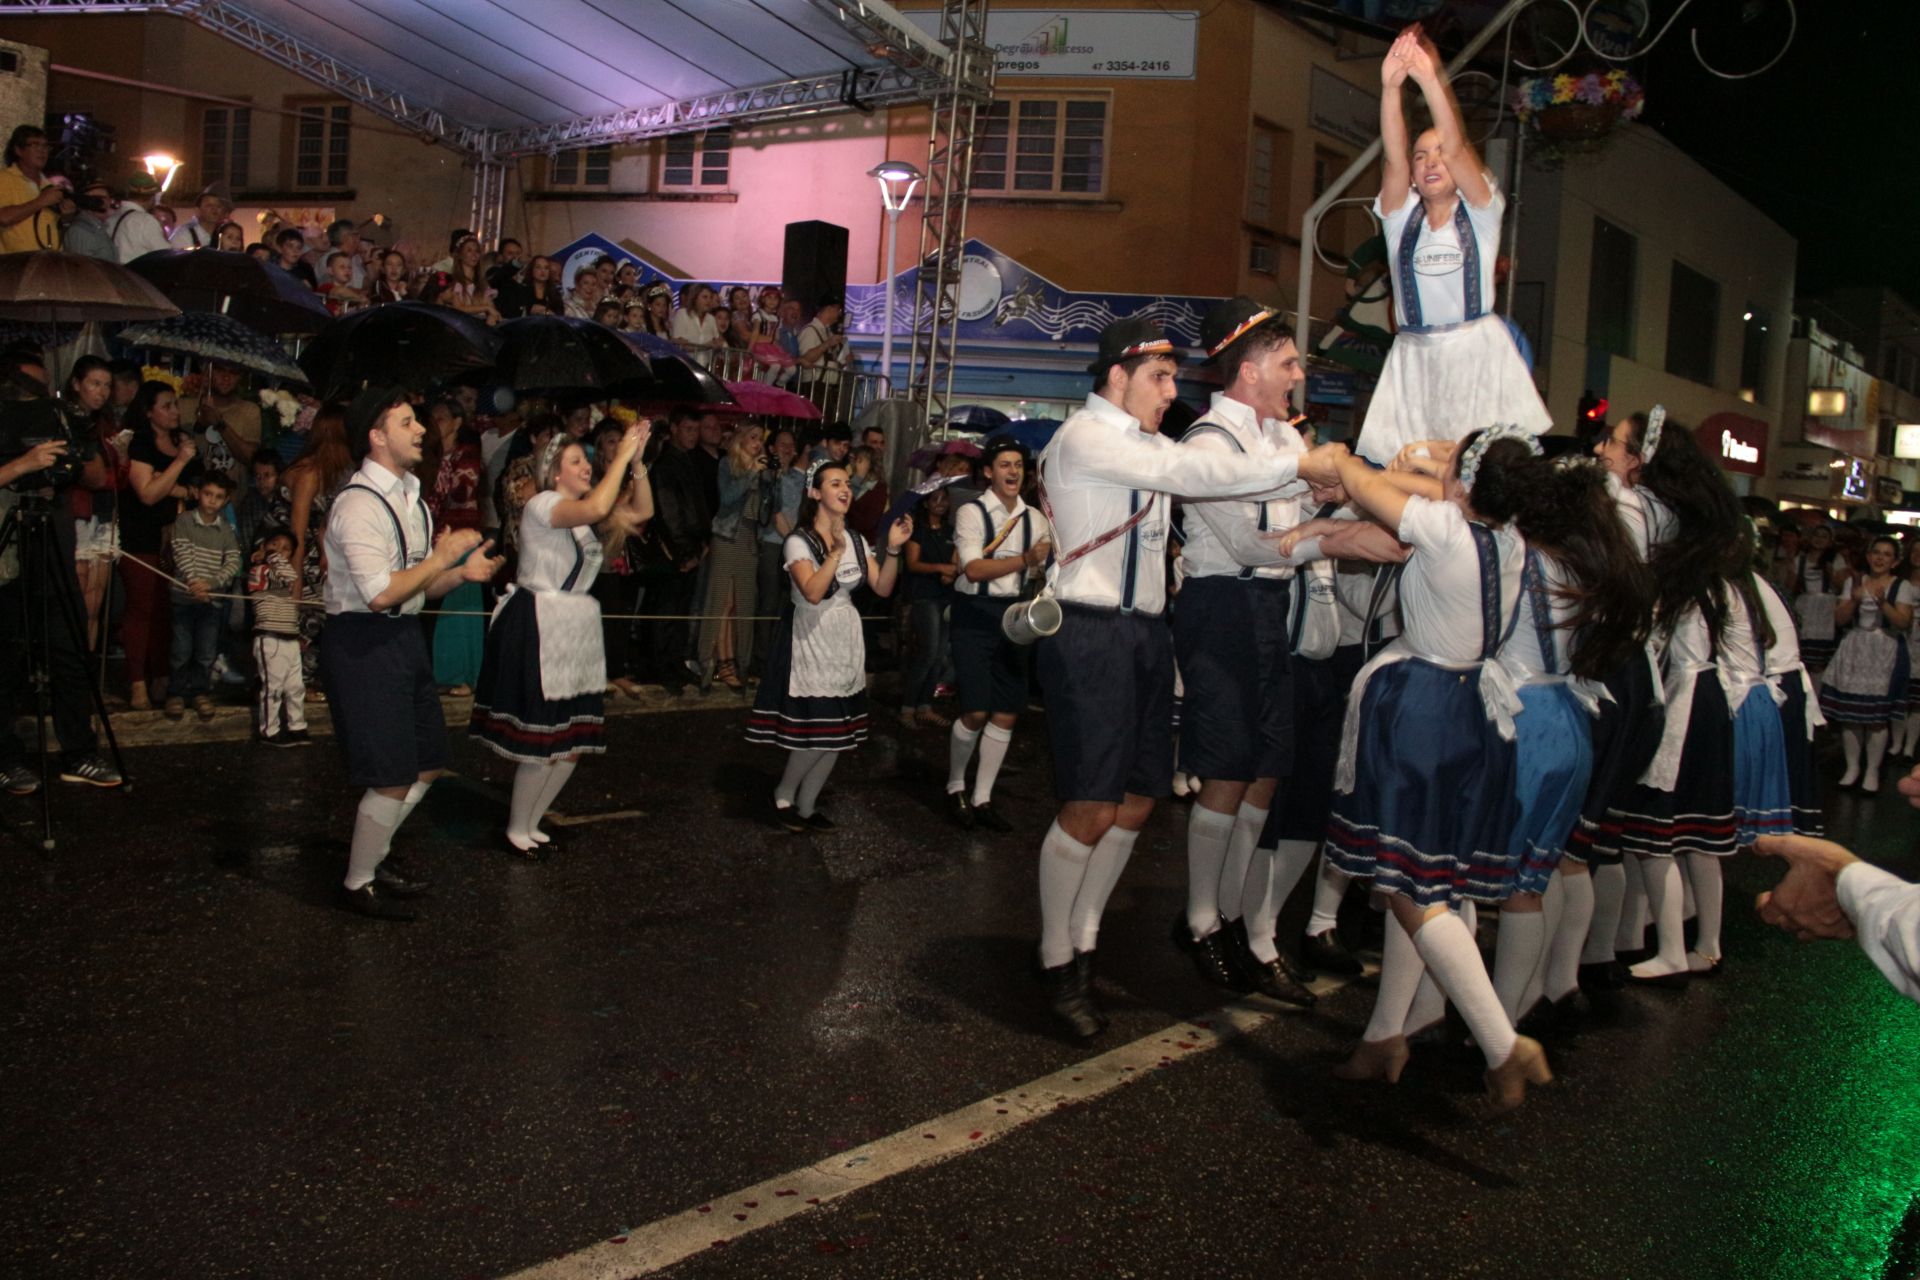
(597, 505)
(1395, 175)
(1456, 149)
(1372, 491)
(1128, 460)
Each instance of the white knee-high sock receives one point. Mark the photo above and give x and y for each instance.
(1662, 879)
(1565, 948)
(1703, 869)
(1446, 944)
(994, 742)
(529, 784)
(798, 762)
(816, 779)
(1686, 896)
(559, 772)
(1553, 905)
(1401, 970)
(1063, 869)
(1207, 836)
(1236, 871)
(1291, 858)
(1876, 754)
(1523, 938)
(373, 826)
(1850, 745)
(1260, 905)
(1103, 873)
(1329, 890)
(960, 744)
(1609, 896)
(1632, 932)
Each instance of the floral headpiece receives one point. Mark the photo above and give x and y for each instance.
(549, 463)
(813, 472)
(1656, 419)
(1470, 461)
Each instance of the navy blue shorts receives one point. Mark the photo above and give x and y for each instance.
(1109, 683)
(991, 670)
(385, 707)
(1320, 688)
(1231, 637)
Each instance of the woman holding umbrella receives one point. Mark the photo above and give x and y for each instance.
(158, 458)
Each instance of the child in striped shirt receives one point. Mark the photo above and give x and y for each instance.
(276, 642)
(206, 557)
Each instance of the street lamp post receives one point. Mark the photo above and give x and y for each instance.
(897, 181)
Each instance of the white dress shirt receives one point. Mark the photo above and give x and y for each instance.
(362, 552)
(1885, 911)
(191, 235)
(135, 231)
(971, 536)
(1100, 467)
(1227, 537)
(698, 332)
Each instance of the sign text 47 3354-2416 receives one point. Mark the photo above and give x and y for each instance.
(1103, 44)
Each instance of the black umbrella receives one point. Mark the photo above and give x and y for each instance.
(561, 353)
(412, 344)
(255, 293)
(676, 379)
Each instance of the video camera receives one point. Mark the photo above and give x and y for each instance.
(26, 423)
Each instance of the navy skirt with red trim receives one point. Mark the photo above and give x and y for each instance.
(1432, 811)
(783, 719)
(1703, 820)
(512, 715)
(1802, 782)
(1626, 734)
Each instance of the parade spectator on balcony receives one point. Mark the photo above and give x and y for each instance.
(199, 231)
(731, 581)
(766, 315)
(739, 318)
(824, 356)
(159, 456)
(467, 290)
(609, 313)
(696, 327)
(338, 288)
(291, 246)
(229, 237)
(391, 284)
(87, 231)
(343, 236)
(657, 303)
(312, 479)
(626, 282)
(542, 287)
(453, 249)
(509, 263)
(589, 290)
(134, 228)
(30, 206)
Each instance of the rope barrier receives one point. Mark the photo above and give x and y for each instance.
(464, 613)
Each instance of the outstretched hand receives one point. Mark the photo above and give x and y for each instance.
(1806, 902)
(480, 567)
(1320, 466)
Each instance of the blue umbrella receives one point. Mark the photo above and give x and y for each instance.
(1032, 432)
(215, 337)
(977, 417)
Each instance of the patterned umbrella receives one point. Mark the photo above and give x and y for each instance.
(236, 284)
(770, 402)
(216, 337)
(48, 287)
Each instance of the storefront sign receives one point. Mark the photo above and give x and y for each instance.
(1101, 44)
(1854, 430)
(1739, 442)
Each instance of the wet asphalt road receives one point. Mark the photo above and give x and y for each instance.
(210, 1072)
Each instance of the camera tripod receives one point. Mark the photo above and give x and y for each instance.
(46, 577)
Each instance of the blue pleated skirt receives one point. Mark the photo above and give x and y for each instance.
(1553, 760)
(1762, 789)
(1432, 810)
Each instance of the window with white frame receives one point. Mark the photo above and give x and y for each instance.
(589, 167)
(226, 138)
(320, 142)
(1039, 146)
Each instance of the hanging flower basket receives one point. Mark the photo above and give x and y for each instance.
(1571, 114)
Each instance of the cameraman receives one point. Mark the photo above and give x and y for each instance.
(30, 206)
(39, 596)
(87, 232)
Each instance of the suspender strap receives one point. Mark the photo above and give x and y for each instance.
(1263, 524)
(1534, 580)
(1130, 563)
(1492, 636)
(1387, 577)
(1297, 606)
(1409, 282)
(579, 563)
(399, 530)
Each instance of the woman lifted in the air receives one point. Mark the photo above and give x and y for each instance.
(1454, 367)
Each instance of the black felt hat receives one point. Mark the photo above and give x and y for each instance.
(1231, 321)
(1125, 339)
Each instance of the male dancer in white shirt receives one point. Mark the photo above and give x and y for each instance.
(1108, 477)
(1230, 635)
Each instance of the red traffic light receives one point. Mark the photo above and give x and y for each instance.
(1593, 408)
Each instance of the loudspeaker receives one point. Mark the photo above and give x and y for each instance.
(815, 264)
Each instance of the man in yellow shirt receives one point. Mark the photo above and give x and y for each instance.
(30, 209)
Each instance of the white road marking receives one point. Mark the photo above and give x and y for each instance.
(725, 1219)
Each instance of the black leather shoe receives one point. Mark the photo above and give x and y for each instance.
(1083, 974)
(1071, 1004)
(1242, 964)
(538, 853)
(819, 821)
(1273, 980)
(375, 905)
(1325, 953)
(984, 815)
(1209, 954)
(789, 817)
(398, 881)
(959, 810)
